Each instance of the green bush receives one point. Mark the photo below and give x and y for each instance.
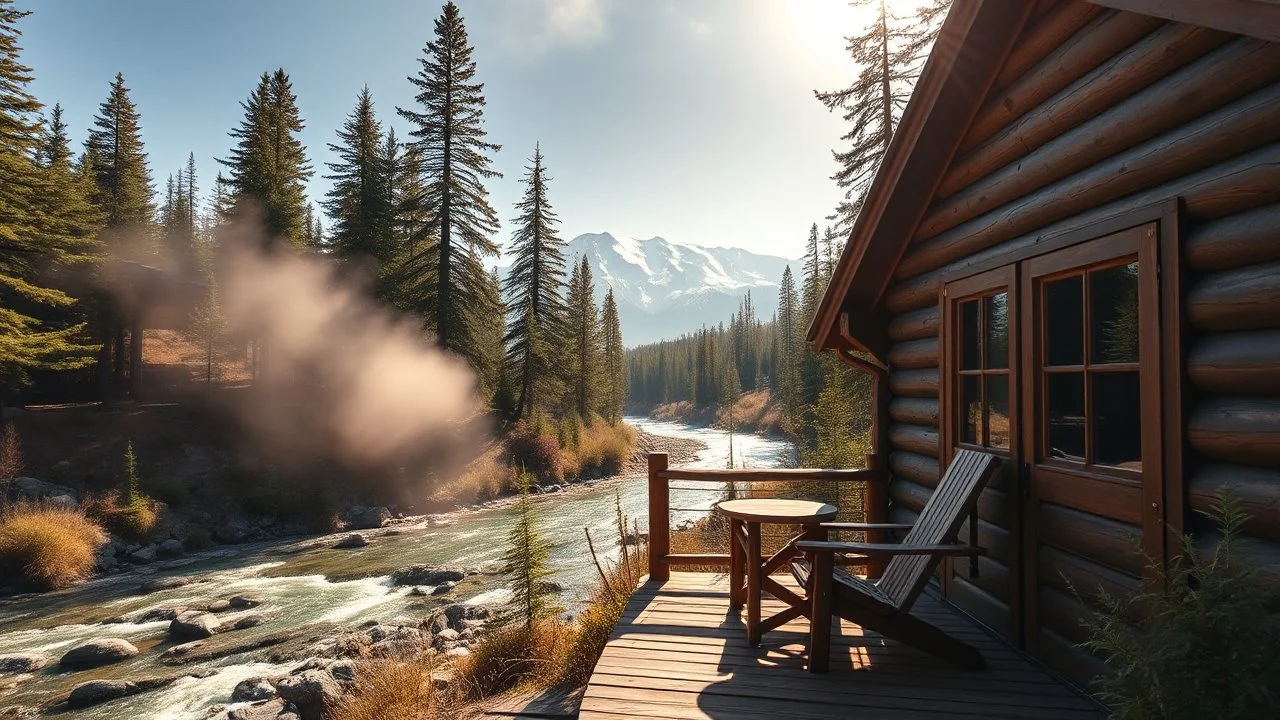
(1208, 647)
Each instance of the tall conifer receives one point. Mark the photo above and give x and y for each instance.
(359, 204)
(582, 342)
(448, 133)
(534, 286)
(120, 165)
(614, 398)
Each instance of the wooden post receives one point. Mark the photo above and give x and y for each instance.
(820, 573)
(135, 358)
(875, 507)
(659, 518)
(754, 577)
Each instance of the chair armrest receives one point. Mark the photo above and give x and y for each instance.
(890, 549)
(865, 526)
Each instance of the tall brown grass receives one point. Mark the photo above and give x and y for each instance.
(47, 547)
(605, 446)
(11, 461)
(135, 520)
(393, 689)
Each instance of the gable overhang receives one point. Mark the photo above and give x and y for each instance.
(971, 47)
(1255, 18)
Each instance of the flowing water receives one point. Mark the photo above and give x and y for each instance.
(308, 587)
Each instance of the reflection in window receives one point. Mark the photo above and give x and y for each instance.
(971, 410)
(995, 310)
(1064, 406)
(1117, 419)
(1064, 321)
(998, 411)
(982, 378)
(970, 336)
(1113, 314)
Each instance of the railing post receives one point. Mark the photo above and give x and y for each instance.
(659, 518)
(875, 507)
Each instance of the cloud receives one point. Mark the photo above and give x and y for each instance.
(537, 26)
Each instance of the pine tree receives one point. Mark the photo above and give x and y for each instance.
(533, 288)
(614, 398)
(525, 563)
(582, 342)
(888, 54)
(55, 144)
(790, 337)
(454, 161)
(120, 164)
(268, 167)
(359, 204)
(178, 241)
(46, 225)
(730, 391)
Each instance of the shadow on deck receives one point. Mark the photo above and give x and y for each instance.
(678, 654)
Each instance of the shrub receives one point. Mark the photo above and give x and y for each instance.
(134, 521)
(515, 656)
(536, 452)
(607, 447)
(47, 547)
(392, 689)
(485, 479)
(1208, 646)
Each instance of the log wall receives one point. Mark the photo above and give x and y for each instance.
(1096, 114)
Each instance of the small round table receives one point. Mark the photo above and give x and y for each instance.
(745, 518)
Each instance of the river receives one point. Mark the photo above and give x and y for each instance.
(307, 584)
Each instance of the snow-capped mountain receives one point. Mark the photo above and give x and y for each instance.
(664, 289)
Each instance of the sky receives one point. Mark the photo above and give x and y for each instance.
(690, 119)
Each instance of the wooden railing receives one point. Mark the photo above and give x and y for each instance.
(874, 478)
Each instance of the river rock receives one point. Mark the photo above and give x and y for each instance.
(243, 602)
(98, 652)
(344, 670)
(427, 574)
(218, 606)
(21, 663)
(234, 530)
(194, 624)
(457, 652)
(455, 614)
(164, 583)
(143, 555)
(314, 692)
(249, 621)
(418, 592)
(252, 690)
(443, 587)
(94, 692)
(29, 488)
(478, 612)
(171, 548)
(159, 614)
(274, 709)
(354, 540)
(550, 586)
(363, 517)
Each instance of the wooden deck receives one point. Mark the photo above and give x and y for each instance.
(678, 655)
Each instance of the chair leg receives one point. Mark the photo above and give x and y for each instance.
(820, 579)
(911, 630)
(735, 565)
(753, 583)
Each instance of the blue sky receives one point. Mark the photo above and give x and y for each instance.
(690, 119)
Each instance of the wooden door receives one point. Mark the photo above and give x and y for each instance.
(1091, 427)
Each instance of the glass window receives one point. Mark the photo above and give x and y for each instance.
(1113, 314)
(982, 378)
(1065, 407)
(997, 409)
(970, 336)
(1117, 419)
(995, 310)
(1064, 321)
(971, 410)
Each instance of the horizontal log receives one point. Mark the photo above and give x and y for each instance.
(914, 438)
(996, 507)
(1049, 31)
(1263, 556)
(683, 559)
(1230, 130)
(914, 411)
(1238, 430)
(1099, 539)
(914, 383)
(1241, 363)
(1243, 299)
(917, 324)
(1077, 55)
(1063, 613)
(773, 474)
(1235, 185)
(990, 611)
(1107, 85)
(914, 354)
(909, 494)
(994, 539)
(1075, 575)
(1255, 489)
(1243, 239)
(920, 469)
(1223, 77)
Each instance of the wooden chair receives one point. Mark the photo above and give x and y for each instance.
(884, 605)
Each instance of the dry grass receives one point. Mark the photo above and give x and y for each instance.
(393, 689)
(486, 478)
(514, 657)
(594, 626)
(135, 520)
(11, 461)
(47, 548)
(605, 446)
(755, 411)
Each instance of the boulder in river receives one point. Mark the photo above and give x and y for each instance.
(94, 692)
(170, 548)
(234, 530)
(275, 709)
(443, 587)
(218, 606)
(243, 602)
(427, 574)
(252, 690)
(143, 555)
(354, 540)
(314, 692)
(164, 583)
(22, 663)
(98, 652)
(249, 621)
(364, 517)
(194, 624)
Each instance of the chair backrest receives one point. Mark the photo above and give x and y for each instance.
(939, 523)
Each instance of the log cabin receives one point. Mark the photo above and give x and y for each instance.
(1070, 257)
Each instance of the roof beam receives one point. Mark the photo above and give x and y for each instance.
(1257, 18)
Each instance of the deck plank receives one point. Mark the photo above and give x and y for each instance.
(678, 654)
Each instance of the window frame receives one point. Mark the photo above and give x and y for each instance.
(954, 294)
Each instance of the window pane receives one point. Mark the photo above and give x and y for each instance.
(1065, 421)
(969, 334)
(971, 410)
(1113, 314)
(1117, 419)
(997, 411)
(996, 309)
(1064, 319)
